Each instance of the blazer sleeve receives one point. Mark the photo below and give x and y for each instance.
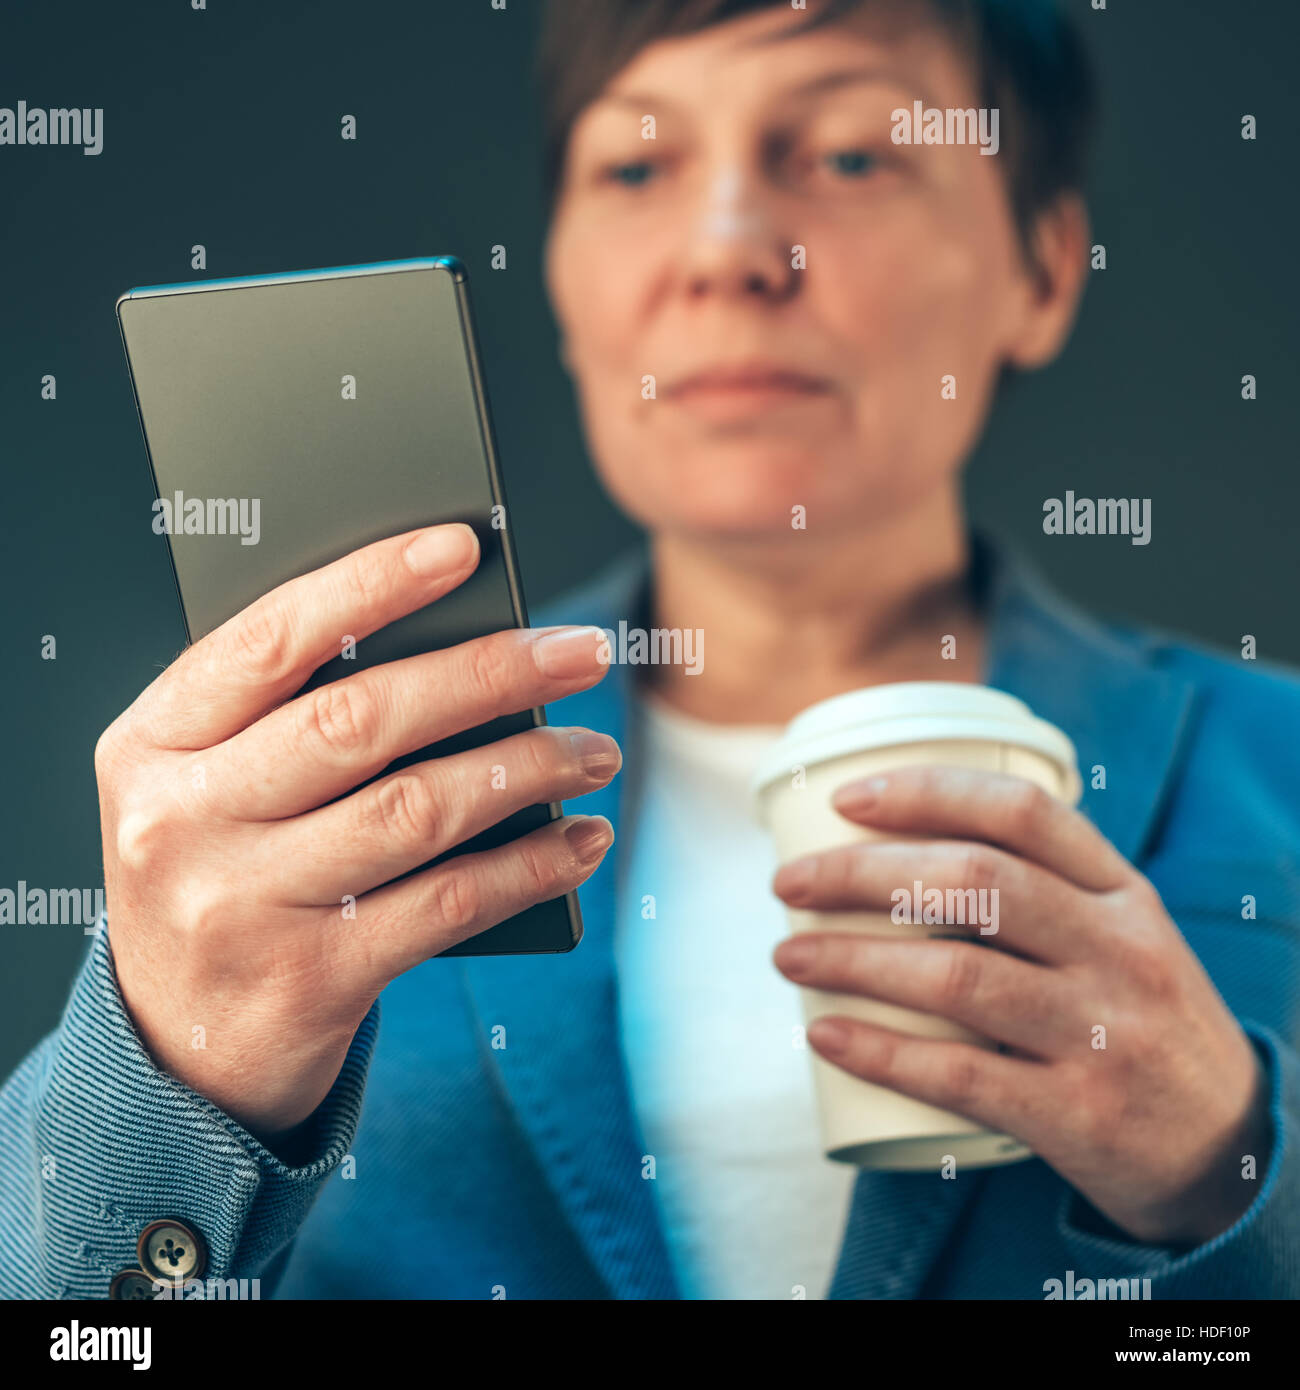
(1259, 1256)
(96, 1142)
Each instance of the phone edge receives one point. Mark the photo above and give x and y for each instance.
(514, 579)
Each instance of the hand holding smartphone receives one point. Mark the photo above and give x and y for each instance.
(310, 800)
(293, 419)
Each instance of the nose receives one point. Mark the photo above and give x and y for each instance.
(733, 246)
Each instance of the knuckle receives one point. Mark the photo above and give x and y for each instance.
(456, 896)
(407, 810)
(260, 645)
(544, 754)
(979, 869)
(207, 910)
(1095, 1116)
(1144, 895)
(486, 674)
(367, 577)
(884, 1058)
(961, 1077)
(1026, 807)
(341, 716)
(962, 977)
(141, 839)
(1149, 968)
(539, 871)
(107, 753)
(924, 783)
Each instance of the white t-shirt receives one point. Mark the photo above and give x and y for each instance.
(712, 1031)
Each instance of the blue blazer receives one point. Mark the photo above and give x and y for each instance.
(445, 1168)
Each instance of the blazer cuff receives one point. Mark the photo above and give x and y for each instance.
(120, 1144)
(1258, 1256)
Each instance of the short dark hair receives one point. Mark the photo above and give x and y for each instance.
(1028, 59)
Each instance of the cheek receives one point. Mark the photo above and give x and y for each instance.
(597, 274)
(603, 295)
(602, 314)
(912, 309)
(914, 303)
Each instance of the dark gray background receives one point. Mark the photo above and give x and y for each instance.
(222, 128)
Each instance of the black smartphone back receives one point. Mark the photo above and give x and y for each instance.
(290, 419)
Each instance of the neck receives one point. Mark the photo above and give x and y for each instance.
(785, 626)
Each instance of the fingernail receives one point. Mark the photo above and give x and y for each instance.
(794, 881)
(860, 796)
(796, 957)
(442, 550)
(589, 836)
(597, 754)
(828, 1035)
(568, 651)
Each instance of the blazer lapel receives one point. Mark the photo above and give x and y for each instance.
(562, 1066)
(1126, 715)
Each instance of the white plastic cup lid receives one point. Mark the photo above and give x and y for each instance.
(883, 716)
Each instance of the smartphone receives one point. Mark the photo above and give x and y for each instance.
(290, 419)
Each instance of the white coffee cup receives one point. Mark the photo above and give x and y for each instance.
(853, 736)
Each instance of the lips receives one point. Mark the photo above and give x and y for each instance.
(748, 377)
(750, 395)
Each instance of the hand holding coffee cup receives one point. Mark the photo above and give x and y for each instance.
(1084, 1031)
(857, 737)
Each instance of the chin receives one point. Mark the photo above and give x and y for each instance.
(741, 492)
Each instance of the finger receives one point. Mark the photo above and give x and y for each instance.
(1009, 812)
(1001, 1092)
(332, 739)
(980, 891)
(1008, 1000)
(404, 923)
(410, 817)
(263, 654)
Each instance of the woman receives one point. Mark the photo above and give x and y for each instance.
(786, 327)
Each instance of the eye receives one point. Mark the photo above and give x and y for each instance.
(851, 163)
(634, 173)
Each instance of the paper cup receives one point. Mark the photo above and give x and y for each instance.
(852, 736)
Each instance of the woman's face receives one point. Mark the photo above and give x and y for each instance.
(776, 387)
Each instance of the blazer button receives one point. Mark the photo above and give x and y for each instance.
(171, 1250)
(131, 1285)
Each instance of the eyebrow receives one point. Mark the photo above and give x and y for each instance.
(817, 86)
